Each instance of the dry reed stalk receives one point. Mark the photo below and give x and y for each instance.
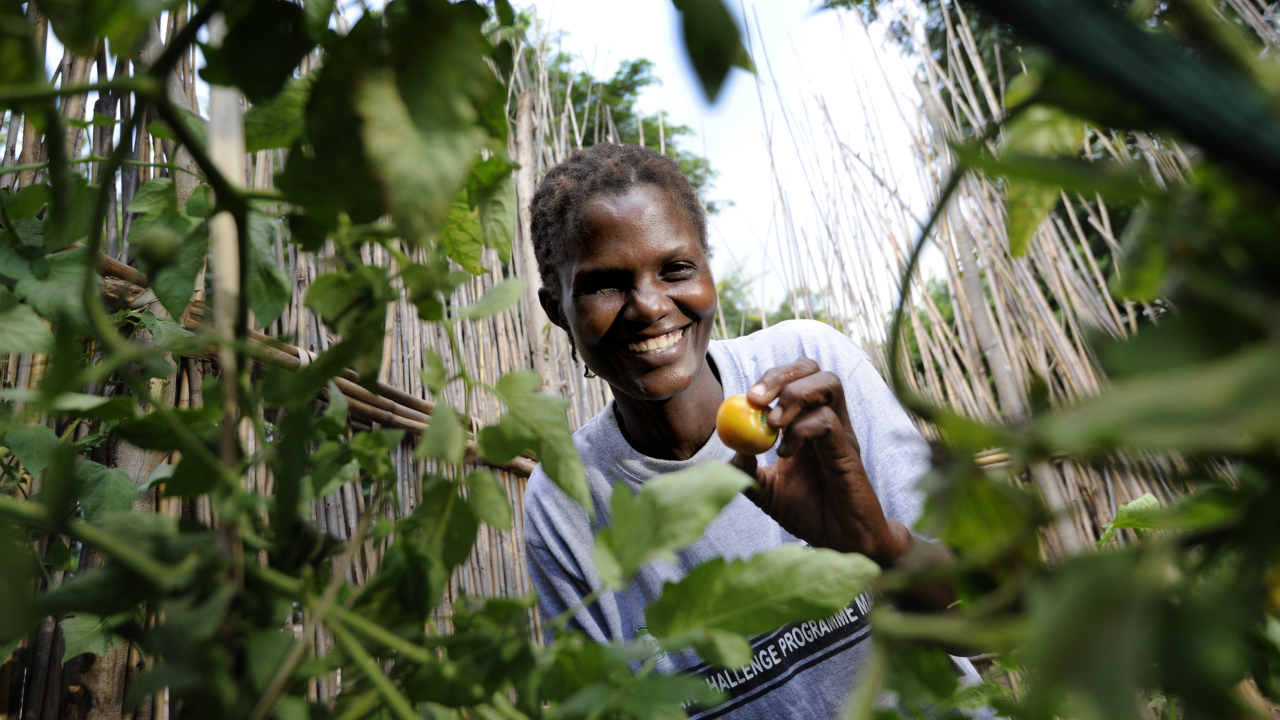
(1014, 319)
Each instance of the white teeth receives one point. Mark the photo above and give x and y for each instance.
(658, 344)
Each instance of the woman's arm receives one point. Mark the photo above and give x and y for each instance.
(818, 490)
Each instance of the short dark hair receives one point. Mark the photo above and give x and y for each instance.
(607, 168)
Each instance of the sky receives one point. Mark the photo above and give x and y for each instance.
(807, 57)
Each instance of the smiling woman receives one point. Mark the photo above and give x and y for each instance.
(620, 238)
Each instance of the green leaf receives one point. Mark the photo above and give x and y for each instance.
(421, 169)
(1211, 102)
(276, 123)
(176, 283)
(725, 649)
(1228, 405)
(537, 422)
(85, 633)
(498, 298)
(269, 289)
(191, 477)
(506, 15)
(488, 500)
(166, 333)
(491, 191)
(1043, 131)
(266, 650)
(1026, 205)
(261, 50)
(157, 205)
(712, 42)
(29, 201)
(1136, 515)
(200, 204)
(434, 375)
(104, 490)
(429, 284)
(462, 237)
(445, 439)
(1114, 181)
(33, 445)
(21, 330)
(58, 294)
(80, 23)
(59, 556)
(748, 597)
(670, 512)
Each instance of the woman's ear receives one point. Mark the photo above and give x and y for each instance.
(551, 306)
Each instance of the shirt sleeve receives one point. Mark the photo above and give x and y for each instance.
(894, 453)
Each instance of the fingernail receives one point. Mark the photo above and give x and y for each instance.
(757, 389)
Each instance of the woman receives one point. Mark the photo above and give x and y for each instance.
(621, 242)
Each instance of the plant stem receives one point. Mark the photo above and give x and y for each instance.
(390, 693)
(379, 634)
(142, 85)
(158, 574)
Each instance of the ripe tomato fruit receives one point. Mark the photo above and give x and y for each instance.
(744, 427)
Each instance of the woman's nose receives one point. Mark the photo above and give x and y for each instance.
(648, 303)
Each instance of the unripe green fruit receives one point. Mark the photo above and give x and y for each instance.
(159, 246)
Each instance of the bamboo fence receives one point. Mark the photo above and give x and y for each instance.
(1015, 319)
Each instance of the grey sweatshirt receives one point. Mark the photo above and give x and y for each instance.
(800, 671)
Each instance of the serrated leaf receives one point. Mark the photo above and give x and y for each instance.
(266, 650)
(59, 555)
(712, 42)
(1043, 131)
(725, 649)
(269, 289)
(498, 298)
(85, 633)
(670, 512)
(28, 201)
(421, 169)
(261, 49)
(276, 123)
(58, 294)
(166, 333)
(157, 205)
(33, 445)
(491, 192)
(537, 422)
(434, 374)
(488, 500)
(462, 238)
(1136, 515)
(1227, 405)
(1026, 205)
(748, 597)
(104, 490)
(22, 331)
(444, 439)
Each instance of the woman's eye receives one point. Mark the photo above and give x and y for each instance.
(679, 271)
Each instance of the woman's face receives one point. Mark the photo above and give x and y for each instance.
(637, 295)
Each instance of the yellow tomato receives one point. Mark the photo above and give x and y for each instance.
(744, 427)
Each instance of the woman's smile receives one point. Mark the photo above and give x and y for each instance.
(656, 345)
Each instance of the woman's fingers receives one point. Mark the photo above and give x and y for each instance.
(767, 388)
(822, 427)
(822, 389)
